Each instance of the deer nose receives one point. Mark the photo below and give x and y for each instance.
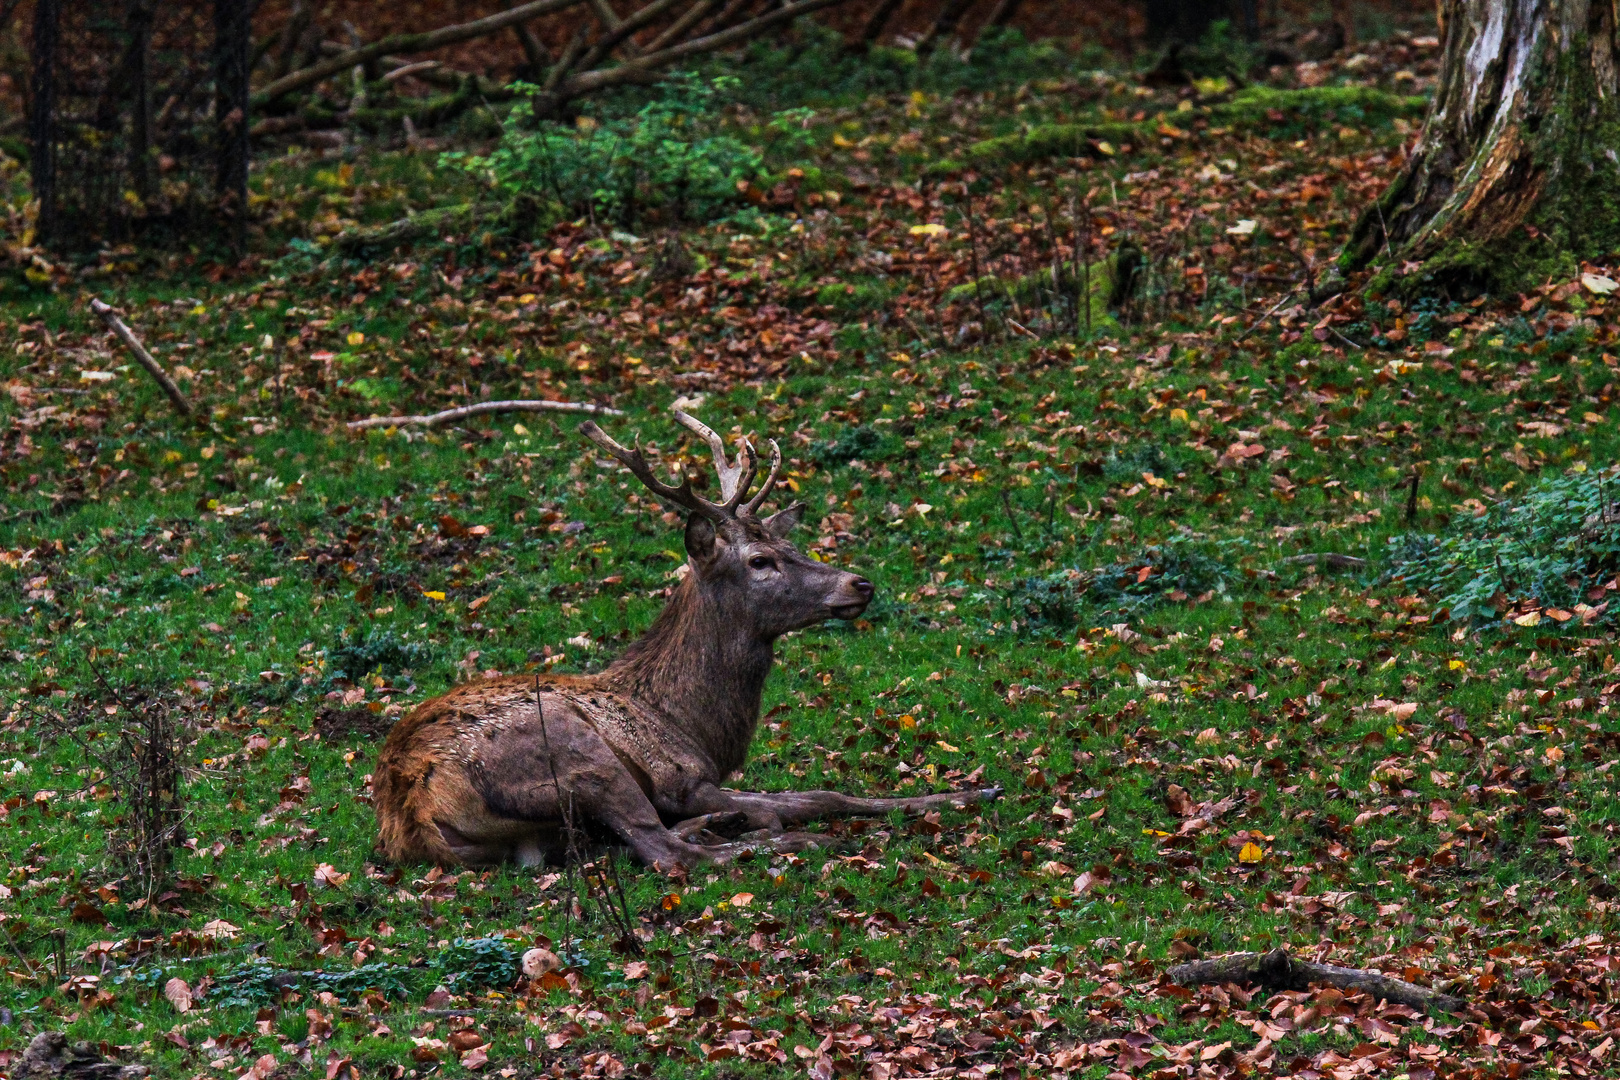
(863, 587)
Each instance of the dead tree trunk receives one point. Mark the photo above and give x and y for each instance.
(42, 114)
(1515, 177)
(232, 42)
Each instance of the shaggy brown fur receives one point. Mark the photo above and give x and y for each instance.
(490, 771)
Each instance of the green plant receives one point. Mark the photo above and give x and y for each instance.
(379, 652)
(1180, 568)
(670, 159)
(861, 442)
(1553, 548)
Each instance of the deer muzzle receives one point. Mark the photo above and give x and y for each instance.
(851, 596)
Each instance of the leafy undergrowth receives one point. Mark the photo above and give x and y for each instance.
(1085, 550)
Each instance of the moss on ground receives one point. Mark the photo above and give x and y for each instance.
(1271, 113)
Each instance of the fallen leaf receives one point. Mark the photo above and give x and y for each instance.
(328, 875)
(178, 994)
(536, 962)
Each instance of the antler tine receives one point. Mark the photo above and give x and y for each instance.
(770, 481)
(682, 496)
(743, 476)
(734, 476)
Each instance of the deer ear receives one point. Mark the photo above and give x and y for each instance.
(782, 522)
(700, 538)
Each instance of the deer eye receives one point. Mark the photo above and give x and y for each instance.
(762, 562)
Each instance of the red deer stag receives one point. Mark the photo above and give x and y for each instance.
(496, 770)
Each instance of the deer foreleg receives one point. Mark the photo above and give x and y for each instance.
(774, 810)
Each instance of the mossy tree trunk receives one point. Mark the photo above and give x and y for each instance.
(1516, 175)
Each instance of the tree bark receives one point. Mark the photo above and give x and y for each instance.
(1277, 970)
(1181, 21)
(877, 21)
(42, 114)
(1515, 176)
(232, 42)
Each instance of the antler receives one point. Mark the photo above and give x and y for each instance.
(752, 507)
(735, 476)
(682, 496)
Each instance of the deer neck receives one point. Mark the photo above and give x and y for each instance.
(696, 669)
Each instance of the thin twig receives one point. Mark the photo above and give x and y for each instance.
(1331, 558)
(1287, 296)
(481, 408)
(133, 344)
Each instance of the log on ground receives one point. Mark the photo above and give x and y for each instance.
(1278, 970)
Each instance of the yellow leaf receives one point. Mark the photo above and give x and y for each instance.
(356, 338)
(930, 229)
(1532, 619)
(1251, 853)
(945, 746)
(1458, 665)
(1105, 147)
(433, 595)
(908, 721)
(1179, 415)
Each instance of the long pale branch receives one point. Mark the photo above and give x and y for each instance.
(406, 43)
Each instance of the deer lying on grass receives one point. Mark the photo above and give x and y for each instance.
(500, 770)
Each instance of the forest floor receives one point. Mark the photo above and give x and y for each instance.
(1087, 542)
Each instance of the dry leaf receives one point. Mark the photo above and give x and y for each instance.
(328, 875)
(536, 962)
(178, 993)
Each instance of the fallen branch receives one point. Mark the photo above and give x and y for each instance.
(1331, 558)
(1287, 296)
(418, 68)
(602, 78)
(482, 408)
(1277, 970)
(127, 336)
(442, 220)
(406, 43)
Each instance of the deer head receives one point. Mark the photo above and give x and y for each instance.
(743, 565)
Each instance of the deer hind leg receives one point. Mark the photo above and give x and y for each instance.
(797, 807)
(564, 774)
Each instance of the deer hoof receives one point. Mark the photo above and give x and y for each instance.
(721, 825)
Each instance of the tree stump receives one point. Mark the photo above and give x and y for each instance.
(1516, 176)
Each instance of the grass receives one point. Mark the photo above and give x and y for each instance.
(294, 586)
